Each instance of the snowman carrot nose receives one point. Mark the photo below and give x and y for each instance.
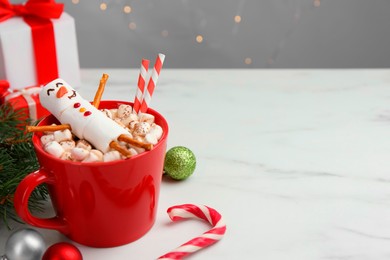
(61, 92)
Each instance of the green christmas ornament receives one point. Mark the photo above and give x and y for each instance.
(179, 163)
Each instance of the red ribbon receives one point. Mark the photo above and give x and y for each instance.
(37, 14)
(37, 8)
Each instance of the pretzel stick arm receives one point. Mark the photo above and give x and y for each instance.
(47, 128)
(129, 140)
(99, 92)
(116, 146)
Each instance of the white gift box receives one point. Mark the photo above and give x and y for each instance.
(17, 59)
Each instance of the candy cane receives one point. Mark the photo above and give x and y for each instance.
(206, 239)
(141, 85)
(148, 92)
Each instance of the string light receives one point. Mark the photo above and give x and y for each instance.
(238, 18)
(199, 38)
(132, 26)
(103, 6)
(164, 33)
(248, 61)
(127, 9)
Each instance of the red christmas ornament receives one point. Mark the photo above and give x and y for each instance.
(62, 251)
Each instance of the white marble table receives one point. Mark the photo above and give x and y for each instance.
(296, 161)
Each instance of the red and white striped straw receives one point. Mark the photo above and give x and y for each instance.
(206, 239)
(152, 83)
(141, 85)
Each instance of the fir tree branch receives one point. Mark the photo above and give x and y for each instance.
(17, 159)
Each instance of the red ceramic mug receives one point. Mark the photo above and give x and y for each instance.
(101, 204)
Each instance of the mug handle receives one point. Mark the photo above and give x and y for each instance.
(22, 195)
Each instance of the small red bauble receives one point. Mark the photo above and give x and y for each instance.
(62, 251)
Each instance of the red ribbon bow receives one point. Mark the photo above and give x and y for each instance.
(37, 14)
(38, 8)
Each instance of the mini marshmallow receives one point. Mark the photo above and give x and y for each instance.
(62, 135)
(97, 153)
(151, 138)
(66, 156)
(139, 138)
(47, 138)
(126, 120)
(79, 154)
(145, 117)
(154, 134)
(123, 144)
(83, 144)
(132, 124)
(137, 149)
(107, 112)
(111, 156)
(114, 112)
(141, 128)
(156, 130)
(54, 148)
(94, 156)
(133, 151)
(68, 144)
(124, 110)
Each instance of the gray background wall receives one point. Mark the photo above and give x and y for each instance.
(272, 33)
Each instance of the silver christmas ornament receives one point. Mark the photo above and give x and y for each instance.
(24, 244)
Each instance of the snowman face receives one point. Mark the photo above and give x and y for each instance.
(61, 90)
(58, 96)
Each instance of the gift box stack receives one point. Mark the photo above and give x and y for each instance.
(37, 45)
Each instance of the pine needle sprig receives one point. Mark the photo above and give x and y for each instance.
(17, 159)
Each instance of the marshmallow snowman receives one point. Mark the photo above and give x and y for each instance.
(86, 121)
